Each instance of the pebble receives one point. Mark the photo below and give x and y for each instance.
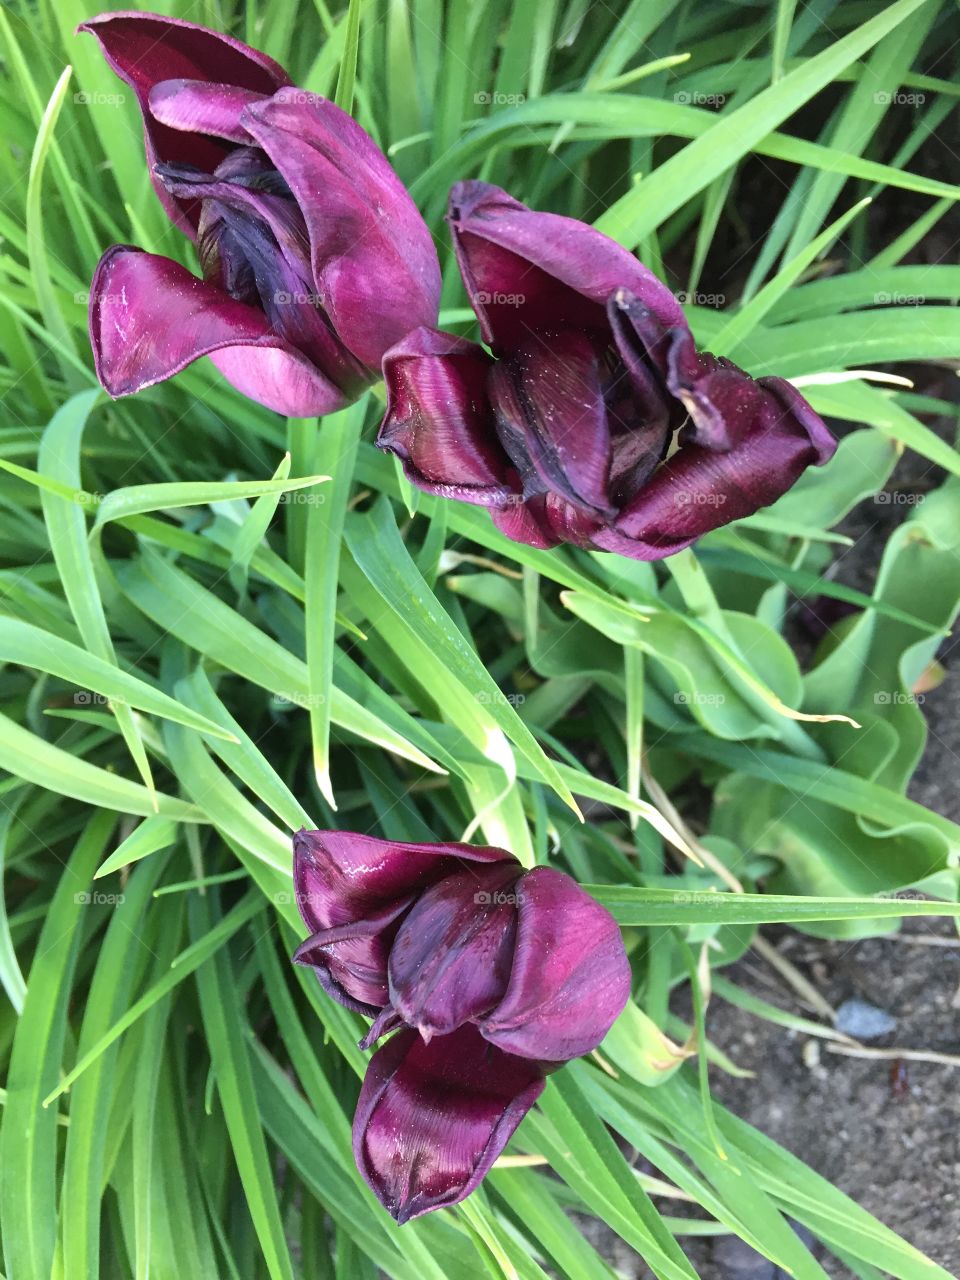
(864, 1021)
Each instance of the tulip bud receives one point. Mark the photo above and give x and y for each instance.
(598, 422)
(352, 892)
(315, 260)
(485, 976)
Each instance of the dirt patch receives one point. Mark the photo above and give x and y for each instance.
(885, 1134)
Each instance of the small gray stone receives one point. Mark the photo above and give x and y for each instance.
(737, 1261)
(864, 1021)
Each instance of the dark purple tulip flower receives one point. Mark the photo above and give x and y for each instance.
(488, 975)
(594, 420)
(314, 258)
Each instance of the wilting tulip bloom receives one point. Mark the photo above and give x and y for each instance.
(594, 420)
(488, 975)
(314, 258)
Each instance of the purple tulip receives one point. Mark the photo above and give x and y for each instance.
(490, 976)
(595, 420)
(315, 260)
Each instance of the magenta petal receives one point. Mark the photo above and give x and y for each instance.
(570, 977)
(147, 48)
(197, 106)
(701, 488)
(438, 421)
(801, 414)
(374, 262)
(150, 318)
(432, 1118)
(240, 225)
(525, 270)
(450, 960)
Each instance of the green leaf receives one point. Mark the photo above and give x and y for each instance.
(683, 175)
(137, 499)
(661, 907)
(336, 449)
(377, 548)
(28, 1138)
(26, 756)
(59, 461)
(226, 1038)
(186, 963)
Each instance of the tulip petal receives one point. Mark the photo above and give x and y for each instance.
(353, 892)
(351, 961)
(570, 977)
(341, 876)
(525, 270)
(150, 318)
(432, 1118)
(554, 406)
(147, 48)
(450, 960)
(746, 443)
(197, 106)
(438, 421)
(527, 522)
(260, 237)
(374, 263)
